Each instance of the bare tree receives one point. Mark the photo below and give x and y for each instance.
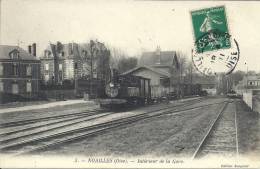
(127, 63)
(116, 55)
(183, 63)
(121, 61)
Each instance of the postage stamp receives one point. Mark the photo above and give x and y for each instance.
(210, 29)
(215, 51)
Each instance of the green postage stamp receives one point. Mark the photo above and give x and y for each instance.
(210, 29)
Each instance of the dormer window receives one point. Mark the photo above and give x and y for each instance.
(14, 54)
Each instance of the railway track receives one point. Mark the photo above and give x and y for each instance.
(18, 129)
(19, 134)
(29, 121)
(57, 138)
(48, 118)
(26, 125)
(221, 137)
(47, 127)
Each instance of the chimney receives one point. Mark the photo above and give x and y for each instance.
(158, 54)
(30, 49)
(70, 48)
(34, 49)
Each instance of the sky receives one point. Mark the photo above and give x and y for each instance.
(133, 26)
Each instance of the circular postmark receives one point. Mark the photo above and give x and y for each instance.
(210, 56)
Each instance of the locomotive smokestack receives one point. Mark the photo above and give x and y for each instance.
(34, 49)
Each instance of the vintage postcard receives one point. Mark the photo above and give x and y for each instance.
(129, 84)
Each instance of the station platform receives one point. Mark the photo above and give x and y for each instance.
(43, 106)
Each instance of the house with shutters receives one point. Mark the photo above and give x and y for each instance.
(19, 73)
(58, 63)
(72, 61)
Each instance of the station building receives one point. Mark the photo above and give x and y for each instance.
(161, 68)
(159, 79)
(157, 66)
(251, 82)
(19, 73)
(249, 89)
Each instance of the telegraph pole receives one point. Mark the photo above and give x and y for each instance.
(191, 72)
(246, 76)
(91, 65)
(0, 23)
(179, 79)
(76, 77)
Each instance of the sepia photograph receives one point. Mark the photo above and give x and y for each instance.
(129, 84)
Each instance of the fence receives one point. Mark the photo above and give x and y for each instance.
(57, 94)
(9, 97)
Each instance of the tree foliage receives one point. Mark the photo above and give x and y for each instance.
(237, 76)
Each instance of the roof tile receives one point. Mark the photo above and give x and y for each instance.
(6, 49)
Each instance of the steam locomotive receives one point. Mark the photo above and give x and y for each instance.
(126, 90)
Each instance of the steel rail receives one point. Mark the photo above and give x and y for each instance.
(195, 154)
(24, 122)
(51, 129)
(101, 129)
(122, 121)
(47, 124)
(77, 117)
(237, 150)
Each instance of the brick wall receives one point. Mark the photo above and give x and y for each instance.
(252, 99)
(247, 97)
(256, 101)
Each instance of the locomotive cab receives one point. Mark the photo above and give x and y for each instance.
(126, 90)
